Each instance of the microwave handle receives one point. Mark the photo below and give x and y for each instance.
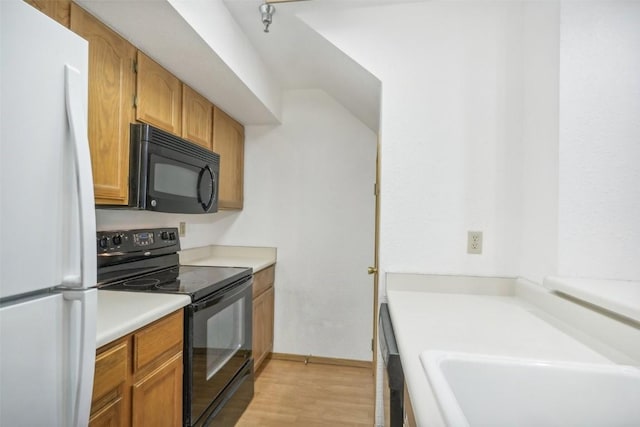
(206, 201)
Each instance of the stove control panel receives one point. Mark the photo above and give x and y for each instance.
(123, 242)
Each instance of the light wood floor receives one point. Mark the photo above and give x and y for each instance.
(313, 395)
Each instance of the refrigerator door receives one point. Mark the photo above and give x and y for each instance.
(46, 368)
(46, 217)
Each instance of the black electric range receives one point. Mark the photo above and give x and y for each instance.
(146, 261)
(217, 351)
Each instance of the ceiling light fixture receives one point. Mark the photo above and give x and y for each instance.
(267, 10)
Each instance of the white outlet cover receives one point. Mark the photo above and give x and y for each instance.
(474, 242)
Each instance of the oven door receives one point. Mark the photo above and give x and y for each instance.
(217, 346)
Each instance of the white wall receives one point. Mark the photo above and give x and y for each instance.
(599, 182)
(451, 129)
(521, 119)
(469, 131)
(308, 192)
(538, 251)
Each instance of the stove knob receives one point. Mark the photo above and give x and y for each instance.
(164, 235)
(117, 239)
(172, 235)
(104, 242)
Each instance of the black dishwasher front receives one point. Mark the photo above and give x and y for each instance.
(393, 375)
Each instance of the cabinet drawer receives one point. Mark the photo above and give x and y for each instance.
(262, 280)
(110, 370)
(158, 341)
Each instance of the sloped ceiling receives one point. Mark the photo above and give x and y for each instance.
(300, 58)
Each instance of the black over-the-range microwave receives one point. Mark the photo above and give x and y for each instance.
(170, 174)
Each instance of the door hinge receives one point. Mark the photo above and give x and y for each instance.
(375, 188)
(135, 66)
(371, 345)
(135, 101)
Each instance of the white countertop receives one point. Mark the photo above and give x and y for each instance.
(470, 315)
(120, 313)
(258, 258)
(618, 296)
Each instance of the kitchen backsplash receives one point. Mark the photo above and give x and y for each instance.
(199, 228)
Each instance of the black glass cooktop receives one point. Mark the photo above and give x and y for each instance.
(196, 281)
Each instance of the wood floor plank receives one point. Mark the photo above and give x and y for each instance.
(314, 395)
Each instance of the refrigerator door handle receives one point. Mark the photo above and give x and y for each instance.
(82, 349)
(84, 180)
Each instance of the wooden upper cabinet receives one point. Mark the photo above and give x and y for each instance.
(111, 93)
(159, 98)
(228, 141)
(197, 118)
(55, 9)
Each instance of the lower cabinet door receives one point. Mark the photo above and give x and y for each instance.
(157, 397)
(109, 416)
(262, 327)
(269, 315)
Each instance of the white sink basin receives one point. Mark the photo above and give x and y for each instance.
(480, 390)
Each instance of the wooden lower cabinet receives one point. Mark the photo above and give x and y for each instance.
(157, 397)
(110, 391)
(109, 416)
(138, 378)
(263, 315)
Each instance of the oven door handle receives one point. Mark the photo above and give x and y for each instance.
(222, 296)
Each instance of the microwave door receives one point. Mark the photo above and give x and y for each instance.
(180, 187)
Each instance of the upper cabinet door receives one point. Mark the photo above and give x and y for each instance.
(111, 92)
(197, 118)
(228, 141)
(159, 99)
(56, 9)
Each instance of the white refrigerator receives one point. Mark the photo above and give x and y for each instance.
(48, 298)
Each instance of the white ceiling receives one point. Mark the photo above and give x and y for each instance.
(300, 58)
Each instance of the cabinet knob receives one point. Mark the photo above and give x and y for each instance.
(372, 270)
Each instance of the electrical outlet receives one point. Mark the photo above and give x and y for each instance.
(474, 242)
(183, 229)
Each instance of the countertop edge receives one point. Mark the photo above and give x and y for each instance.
(257, 263)
(120, 313)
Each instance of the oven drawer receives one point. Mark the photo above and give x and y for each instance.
(262, 280)
(158, 342)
